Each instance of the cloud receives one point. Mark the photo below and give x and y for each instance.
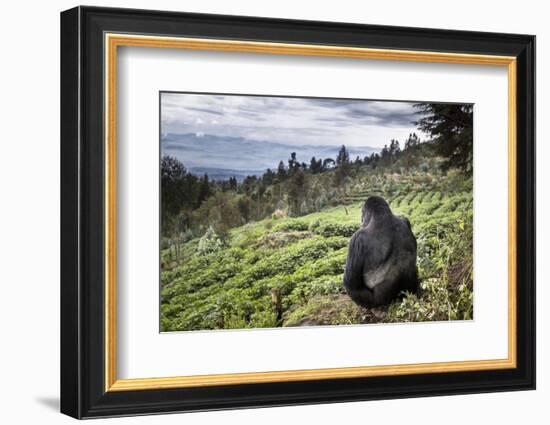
(305, 121)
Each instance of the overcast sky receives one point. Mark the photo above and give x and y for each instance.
(288, 120)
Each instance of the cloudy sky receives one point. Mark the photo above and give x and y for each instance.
(288, 120)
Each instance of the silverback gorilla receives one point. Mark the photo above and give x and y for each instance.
(382, 256)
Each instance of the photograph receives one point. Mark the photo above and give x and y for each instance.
(283, 211)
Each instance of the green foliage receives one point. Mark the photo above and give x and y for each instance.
(450, 126)
(288, 271)
(291, 225)
(209, 243)
(328, 229)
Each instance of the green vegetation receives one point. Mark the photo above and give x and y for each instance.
(286, 271)
(270, 251)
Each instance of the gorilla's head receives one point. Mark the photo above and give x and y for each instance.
(375, 206)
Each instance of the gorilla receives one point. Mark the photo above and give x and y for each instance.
(381, 259)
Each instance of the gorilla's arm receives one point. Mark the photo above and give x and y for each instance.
(354, 277)
(354, 274)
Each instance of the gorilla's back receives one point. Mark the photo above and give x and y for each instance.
(391, 250)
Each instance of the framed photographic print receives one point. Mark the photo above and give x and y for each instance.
(261, 212)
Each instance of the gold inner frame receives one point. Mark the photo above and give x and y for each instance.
(113, 41)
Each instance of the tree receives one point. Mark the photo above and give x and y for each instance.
(296, 191)
(412, 141)
(178, 190)
(343, 167)
(172, 178)
(374, 159)
(260, 191)
(244, 206)
(281, 171)
(220, 212)
(319, 166)
(328, 163)
(314, 166)
(293, 164)
(385, 155)
(268, 177)
(394, 147)
(410, 151)
(343, 156)
(248, 184)
(451, 129)
(233, 183)
(204, 189)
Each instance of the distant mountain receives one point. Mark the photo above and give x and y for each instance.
(223, 157)
(224, 173)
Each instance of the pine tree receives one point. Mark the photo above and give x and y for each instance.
(296, 191)
(412, 141)
(313, 165)
(343, 167)
(343, 156)
(268, 177)
(281, 171)
(293, 164)
(204, 189)
(451, 129)
(394, 147)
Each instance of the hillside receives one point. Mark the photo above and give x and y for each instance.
(287, 271)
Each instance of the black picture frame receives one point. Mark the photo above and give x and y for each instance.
(83, 392)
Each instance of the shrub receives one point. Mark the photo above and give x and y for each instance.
(314, 225)
(337, 229)
(209, 243)
(291, 225)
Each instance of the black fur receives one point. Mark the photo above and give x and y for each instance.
(381, 260)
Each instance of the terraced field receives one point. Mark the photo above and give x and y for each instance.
(288, 271)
